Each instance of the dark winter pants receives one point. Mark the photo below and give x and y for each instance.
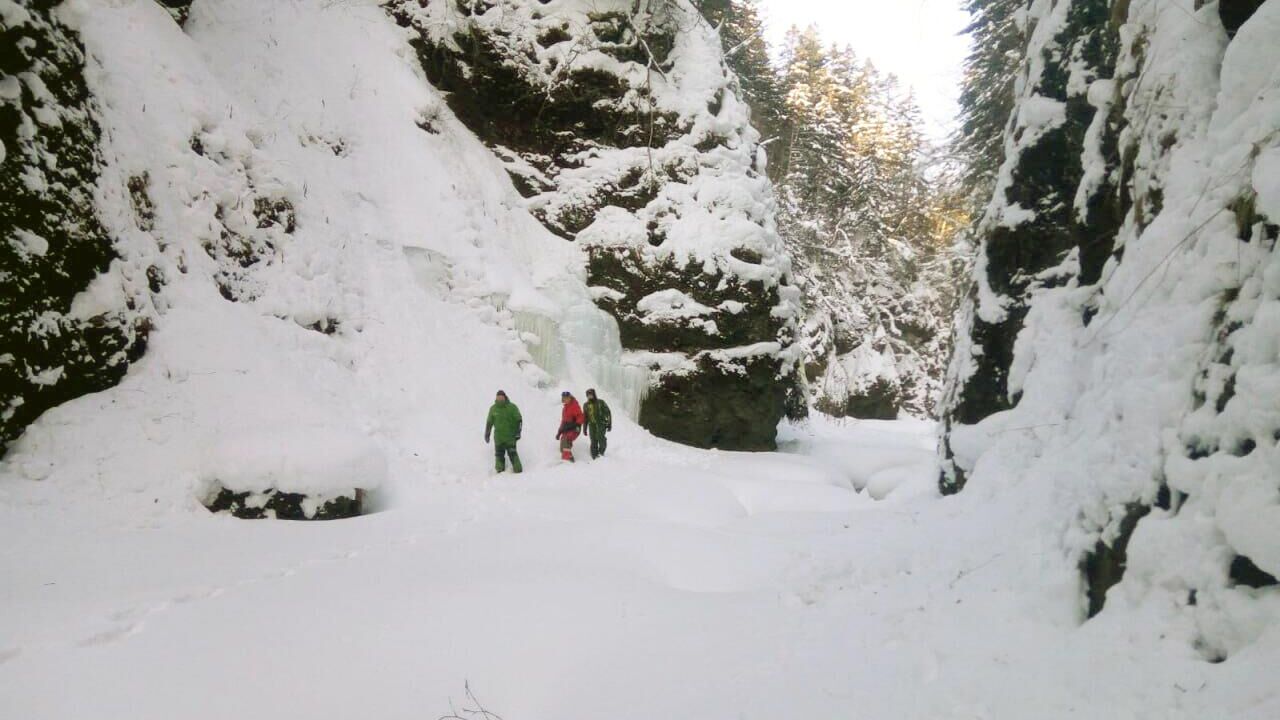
(598, 442)
(500, 453)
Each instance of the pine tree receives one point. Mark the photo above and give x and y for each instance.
(986, 92)
(868, 232)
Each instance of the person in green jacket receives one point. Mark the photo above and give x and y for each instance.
(504, 422)
(599, 422)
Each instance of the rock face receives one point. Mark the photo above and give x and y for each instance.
(1119, 346)
(54, 245)
(1038, 188)
(622, 128)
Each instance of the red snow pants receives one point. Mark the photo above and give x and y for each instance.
(566, 444)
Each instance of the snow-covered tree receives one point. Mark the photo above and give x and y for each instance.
(986, 91)
(868, 230)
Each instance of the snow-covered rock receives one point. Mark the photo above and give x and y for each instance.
(620, 124)
(52, 242)
(1119, 351)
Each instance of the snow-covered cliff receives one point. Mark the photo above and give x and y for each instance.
(620, 123)
(283, 217)
(1119, 358)
(226, 163)
(335, 273)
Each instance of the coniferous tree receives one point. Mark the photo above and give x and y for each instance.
(986, 91)
(869, 233)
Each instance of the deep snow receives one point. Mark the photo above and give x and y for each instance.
(659, 582)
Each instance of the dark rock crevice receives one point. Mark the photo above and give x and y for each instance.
(1235, 13)
(1104, 567)
(1244, 572)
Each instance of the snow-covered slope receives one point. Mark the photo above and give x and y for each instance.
(1120, 351)
(332, 288)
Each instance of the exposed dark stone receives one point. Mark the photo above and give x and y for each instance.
(796, 402)
(1244, 447)
(1088, 314)
(179, 9)
(1235, 13)
(275, 211)
(952, 477)
(1168, 499)
(496, 100)
(284, 506)
(1244, 572)
(986, 392)
(155, 279)
(526, 185)
(325, 326)
(715, 407)
(1228, 392)
(625, 271)
(143, 208)
(1106, 208)
(554, 36)
(878, 402)
(1104, 567)
(1198, 449)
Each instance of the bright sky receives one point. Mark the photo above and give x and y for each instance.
(917, 40)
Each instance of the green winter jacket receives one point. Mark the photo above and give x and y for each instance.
(599, 419)
(504, 421)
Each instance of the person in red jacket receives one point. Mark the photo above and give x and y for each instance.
(571, 421)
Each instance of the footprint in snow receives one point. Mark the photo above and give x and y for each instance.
(109, 636)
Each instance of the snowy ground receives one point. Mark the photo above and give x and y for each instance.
(659, 582)
(825, 581)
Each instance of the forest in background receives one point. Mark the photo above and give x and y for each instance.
(872, 211)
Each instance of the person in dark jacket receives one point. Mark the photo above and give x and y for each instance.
(570, 424)
(504, 422)
(599, 422)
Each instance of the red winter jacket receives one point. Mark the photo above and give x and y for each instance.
(571, 419)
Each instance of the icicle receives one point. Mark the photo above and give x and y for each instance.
(584, 348)
(541, 336)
